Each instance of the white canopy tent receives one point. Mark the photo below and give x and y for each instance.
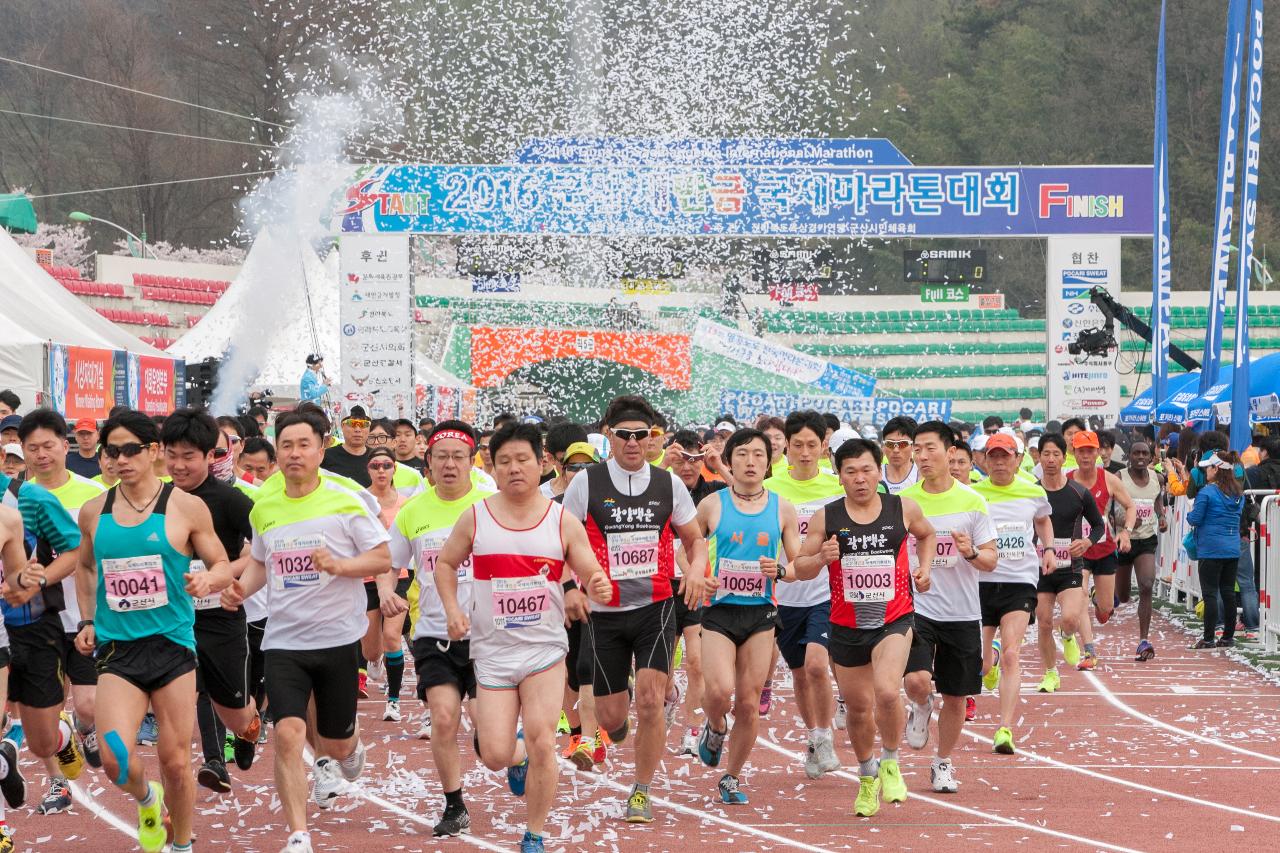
(38, 310)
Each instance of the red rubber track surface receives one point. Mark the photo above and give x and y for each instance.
(1094, 770)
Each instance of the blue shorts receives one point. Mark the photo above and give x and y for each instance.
(800, 627)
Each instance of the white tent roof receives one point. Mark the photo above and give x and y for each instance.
(36, 309)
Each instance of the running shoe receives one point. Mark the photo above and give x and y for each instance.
(710, 745)
(1205, 644)
(89, 744)
(262, 728)
(842, 715)
(638, 807)
(353, 765)
(992, 677)
(148, 732)
(531, 843)
(891, 782)
(812, 766)
(601, 752)
(245, 744)
(6, 840)
(152, 835)
(424, 728)
(730, 794)
(1097, 611)
(391, 713)
(1003, 742)
(582, 754)
(12, 785)
(1070, 649)
(453, 822)
(942, 775)
(690, 744)
(1145, 652)
(213, 775)
(918, 717)
(1051, 681)
(58, 799)
(671, 704)
(766, 699)
(1087, 662)
(376, 670)
(563, 727)
(575, 741)
(828, 761)
(518, 773)
(868, 801)
(970, 709)
(70, 758)
(327, 782)
(1226, 642)
(299, 842)
(362, 685)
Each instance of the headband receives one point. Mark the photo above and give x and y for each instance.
(451, 433)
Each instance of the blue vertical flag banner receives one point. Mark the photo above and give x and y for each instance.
(1228, 127)
(1161, 273)
(1240, 421)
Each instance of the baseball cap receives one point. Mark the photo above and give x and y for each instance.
(581, 448)
(726, 426)
(358, 413)
(978, 443)
(14, 450)
(1084, 438)
(11, 422)
(86, 425)
(839, 437)
(1002, 441)
(1213, 460)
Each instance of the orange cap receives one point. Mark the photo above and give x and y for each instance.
(1002, 441)
(1084, 438)
(86, 425)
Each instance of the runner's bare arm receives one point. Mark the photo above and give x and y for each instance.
(253, 579)
(581, 558)
(87, 574)
(816, 552)
(790, 533)
(11, 550)
(926, 542)
(695, 583)
(455, 550)
(1044, 530)
(371, 563)
(1121, 496)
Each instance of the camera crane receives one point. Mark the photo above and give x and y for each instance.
(1101, 340)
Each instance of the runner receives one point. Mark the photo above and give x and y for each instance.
(319, 540)
(43, 437)
(633, 512)
(520, 544)
(224, 697)
(804, 606)
(559, 438)
(899, 471)
(746, 526)
(445, 673)
(1074, 510)
(1020, 511)
(138, 616)
(946, 645)
(12, 553)
(405, 445)
(406, 478)
(350, 458)
(258, 458)
(1139, 562)
(862, 540)
(383, 636)
(1100, 562)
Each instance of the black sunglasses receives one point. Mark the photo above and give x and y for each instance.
(575, 467)
(625, 435)
(220, 452)
(129, 450)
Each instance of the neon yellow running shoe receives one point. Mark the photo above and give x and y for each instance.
(992, 678)
(152, 836)
(1070, 649)
(892, 786)
(868, 802)
(1004, 741)
(563, 727)
(679, 654)
(1051, 682)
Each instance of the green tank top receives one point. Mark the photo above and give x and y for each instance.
(141, 588)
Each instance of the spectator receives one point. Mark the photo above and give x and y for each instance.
(314, 384)
(85, 460)
(14, 463)
(9, 403)
(9, 429)
(1215, 524)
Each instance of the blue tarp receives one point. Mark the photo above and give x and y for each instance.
(1264, 380)
(1139, 412)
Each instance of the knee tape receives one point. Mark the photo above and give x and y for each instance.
(121, 753)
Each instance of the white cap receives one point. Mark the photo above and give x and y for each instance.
(726, 426)
(1034, 442)
(839, 437)
(978, 443)
(14, 450)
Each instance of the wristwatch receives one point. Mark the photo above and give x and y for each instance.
(83, 624)
(782, 571)
(970, 557)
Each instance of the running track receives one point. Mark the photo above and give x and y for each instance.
(1178, 753)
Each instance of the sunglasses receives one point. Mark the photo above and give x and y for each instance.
(626, 435)
(692, 457)
(220, 452)
(576, 467)
(357, 423)
(127, 450)
(381, 466)
(482, 447)
(898, 444)
(234, 439)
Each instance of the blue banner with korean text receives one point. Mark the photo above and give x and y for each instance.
(1241, 429)
(746, 405)
(1161, 246)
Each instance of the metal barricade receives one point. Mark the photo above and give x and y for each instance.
(1174, 569)
(1269, 573)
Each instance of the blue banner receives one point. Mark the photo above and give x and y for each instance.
(1161, 274)
(613, 151)
(498, 282)
(746, 405)
(1228, 127)
(783, 361)
(748, 201)
(1240, 425)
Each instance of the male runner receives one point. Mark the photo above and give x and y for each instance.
(1139, 562)
(1100, 562)
(445, 674)
(899, 471)
(313, 544)
(350, 459)
(12, 553)
(258, 458)
(946, 645)
(405, 444)
(520, 545)
(43, 436)
(745, 526)
(633, 512)
(1073, 509)
(804, 606)
(1020, 511)
(136, 600)
(862, 540)
(225, 700)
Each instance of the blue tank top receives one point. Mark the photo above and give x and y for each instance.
(141, 588)
(736, 546)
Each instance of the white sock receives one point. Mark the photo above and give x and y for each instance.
(4, 771)
(150, 798)
(818, 735)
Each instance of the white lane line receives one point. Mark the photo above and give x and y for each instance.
(1106, 693)
(1044, 759)
(102, 812)
(985, 816)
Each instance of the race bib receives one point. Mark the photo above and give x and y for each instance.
(1146, 508)
(1062, 553)
(1085, 529)
(431, 544)
(291, 566)
(804, 512)
(867, 579)
(135, 583)
(633, 555)
(520, 602)
(1012, 540)
(209, 602)
(739, 577)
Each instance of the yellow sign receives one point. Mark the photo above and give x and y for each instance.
(645, 286)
